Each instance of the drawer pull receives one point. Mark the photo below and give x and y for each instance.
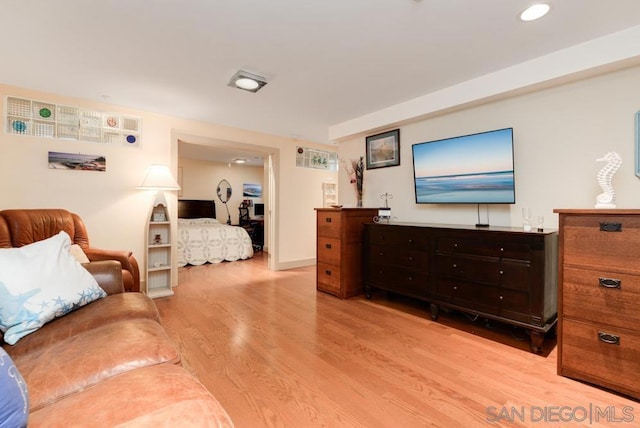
(610, 227)
(410, 258)
(328, 219)
(328, 272)
(608, 338)
(328, 246)
(610, 282)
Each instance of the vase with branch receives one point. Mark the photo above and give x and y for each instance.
(356, 176)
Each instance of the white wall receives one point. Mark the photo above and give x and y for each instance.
(114, 211)
(558, 134)
(200, 180)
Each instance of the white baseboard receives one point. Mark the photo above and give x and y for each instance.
(295, 264)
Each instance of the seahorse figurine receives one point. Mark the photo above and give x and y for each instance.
(607, 199)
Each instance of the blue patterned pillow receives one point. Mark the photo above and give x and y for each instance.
(39, 282)
(14, 398)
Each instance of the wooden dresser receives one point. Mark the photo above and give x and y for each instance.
(599, 298)
(498, 273)
(339, 249)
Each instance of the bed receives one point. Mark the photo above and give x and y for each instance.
(202, 238)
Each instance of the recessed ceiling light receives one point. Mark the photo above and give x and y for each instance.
(247, 81)
(240, 160)
(535, 11)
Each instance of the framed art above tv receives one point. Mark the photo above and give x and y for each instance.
(469, 169)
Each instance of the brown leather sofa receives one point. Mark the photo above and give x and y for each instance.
(109, 363)
(22, 227)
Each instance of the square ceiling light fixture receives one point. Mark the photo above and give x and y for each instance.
(247, 81)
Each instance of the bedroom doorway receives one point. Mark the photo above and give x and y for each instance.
(189, 149)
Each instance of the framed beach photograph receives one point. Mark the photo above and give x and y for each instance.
(383, 149)
(77, 161)
(250, 190)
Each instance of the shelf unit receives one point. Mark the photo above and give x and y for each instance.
(158, 243)
(329, 194)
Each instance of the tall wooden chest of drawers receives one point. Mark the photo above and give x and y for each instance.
(599, 298)
(339, 249)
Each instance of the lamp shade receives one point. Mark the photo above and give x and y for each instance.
(158, 177)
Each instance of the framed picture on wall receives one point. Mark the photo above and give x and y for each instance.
(383, 149)
(77, 161)
(251, 190)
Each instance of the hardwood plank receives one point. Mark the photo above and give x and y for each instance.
(277, 353)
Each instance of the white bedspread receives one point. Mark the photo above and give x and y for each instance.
(207, 240)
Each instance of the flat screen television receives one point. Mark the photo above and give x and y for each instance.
(258, 209)
(469, 169)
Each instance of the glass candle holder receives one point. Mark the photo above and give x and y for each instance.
(526, 219)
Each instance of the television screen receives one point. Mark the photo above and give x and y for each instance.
(470, 169)
(258, 209)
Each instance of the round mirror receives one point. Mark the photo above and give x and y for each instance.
(224, 191)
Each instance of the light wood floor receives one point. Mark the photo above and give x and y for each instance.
(276, 353)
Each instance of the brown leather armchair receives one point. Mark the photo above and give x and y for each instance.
(22, 227)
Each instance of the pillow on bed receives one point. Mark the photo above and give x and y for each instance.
(39, 282)
(197, 221)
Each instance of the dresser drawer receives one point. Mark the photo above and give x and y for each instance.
(328, 250)
(601, 296)
(515, 275)
(611, 242)
(484, 247)
(328, 278)
(515, 305)
(407, 258)
(399, 237)
(469, 269)
(608, 356)
(403, 281)
(474, 296)
(329, 223)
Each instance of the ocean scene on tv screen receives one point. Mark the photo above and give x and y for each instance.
(473, 169)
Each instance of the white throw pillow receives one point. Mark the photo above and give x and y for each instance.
(39, 282)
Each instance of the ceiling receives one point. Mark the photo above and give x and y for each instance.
(222, 152)
(326, 62)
